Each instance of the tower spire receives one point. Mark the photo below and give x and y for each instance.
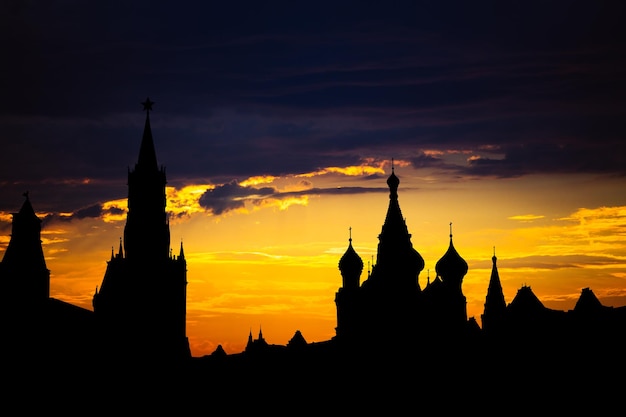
(147, 154)
(397, 261)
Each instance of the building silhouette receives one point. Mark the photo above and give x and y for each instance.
(390, 304)
(387, 324)
(25, 276)
(39, 333)
(140, 307)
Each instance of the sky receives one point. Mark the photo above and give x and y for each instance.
(277, 123)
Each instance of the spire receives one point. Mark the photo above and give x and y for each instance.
(250, 340)
(494, 302)
(260, 333)
(147, 154)
(120, 252)
(181, 254)
(147, 234)
(397, 261)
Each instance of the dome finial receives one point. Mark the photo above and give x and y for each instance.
(450, 230)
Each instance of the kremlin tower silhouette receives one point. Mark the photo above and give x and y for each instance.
(141, 305)
(23, 268)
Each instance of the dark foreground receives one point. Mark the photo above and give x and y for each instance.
(509, 380)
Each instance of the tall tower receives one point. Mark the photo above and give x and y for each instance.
(141, 303)
(24, 276)
(147, 233)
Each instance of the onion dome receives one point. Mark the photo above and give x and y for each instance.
(451, 264)
(351, 266)
(393, 182)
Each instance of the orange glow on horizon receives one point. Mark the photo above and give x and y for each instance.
(276, 267)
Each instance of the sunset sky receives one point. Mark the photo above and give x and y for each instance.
(277, 122)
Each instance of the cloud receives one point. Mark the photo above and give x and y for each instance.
(526, 217)
(231, 196)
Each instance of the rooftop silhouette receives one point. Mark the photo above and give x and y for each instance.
(387, 325)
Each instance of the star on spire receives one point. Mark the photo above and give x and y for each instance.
(147, 105)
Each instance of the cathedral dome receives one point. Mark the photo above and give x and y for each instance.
(393, 181)
(350, 263)
(451, 264)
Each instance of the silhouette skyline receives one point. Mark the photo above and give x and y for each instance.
(398, 336)
(140, 307)
(277, 124)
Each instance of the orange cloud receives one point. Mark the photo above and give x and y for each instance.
(353, 171)
(526, 217)
(258, 180)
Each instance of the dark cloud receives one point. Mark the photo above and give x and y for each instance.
(552, 158)
(94, 211)
(232, 196)
(258, 89)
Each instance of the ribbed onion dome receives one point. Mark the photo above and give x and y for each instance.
(451, 264)
(393, 182)
(351, 263)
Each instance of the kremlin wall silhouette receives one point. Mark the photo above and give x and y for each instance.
(395, 343)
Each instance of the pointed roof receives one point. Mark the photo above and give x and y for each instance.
(396, 255)
(219, 351)
(181, 254)
(495, 295)
(394, 222)
(27, 211)
(297, 340)
(147, 154)
(588, 302)
(526, 301)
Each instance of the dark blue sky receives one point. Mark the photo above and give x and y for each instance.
(254, 88)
